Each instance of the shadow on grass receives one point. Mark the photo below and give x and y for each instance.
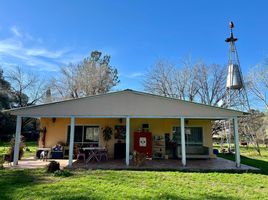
(262, 165)
(163, 196)
(12, 180)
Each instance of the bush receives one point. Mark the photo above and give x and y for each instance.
(2, 160)
(12, 147)
(53, 166)
(62, 173)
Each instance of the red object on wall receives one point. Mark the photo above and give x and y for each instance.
(143, 143)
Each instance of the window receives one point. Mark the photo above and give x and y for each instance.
(193, 135)
(91, 134)
(85, 134)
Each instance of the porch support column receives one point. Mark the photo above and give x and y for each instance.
(127, 139)
(17, 141)
(183, 151)
(237, 147)
(71, 142)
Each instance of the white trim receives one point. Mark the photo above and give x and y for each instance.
(132, 116)
(237, 147)
(127, 139)
(133, 92)
(17, 141)
(71, 143)
(183, 149)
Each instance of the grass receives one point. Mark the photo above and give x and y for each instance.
(4, 147)
(249, 156)
(36, 184)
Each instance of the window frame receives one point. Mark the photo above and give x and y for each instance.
(83, 134)
(187, 143)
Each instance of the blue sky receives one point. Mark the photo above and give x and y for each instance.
(41, 36)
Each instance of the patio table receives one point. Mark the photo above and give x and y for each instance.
(94, 153)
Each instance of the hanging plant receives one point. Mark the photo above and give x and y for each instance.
(107, 133)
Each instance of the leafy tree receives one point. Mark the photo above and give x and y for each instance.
(26, 89)
(5, 92)
(7, 122)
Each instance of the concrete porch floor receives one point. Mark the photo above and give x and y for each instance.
(217, 164)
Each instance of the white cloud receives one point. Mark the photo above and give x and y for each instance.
(15, 31)
(16, 50)
(133, 75)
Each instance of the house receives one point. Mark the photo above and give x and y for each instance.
(164, 127)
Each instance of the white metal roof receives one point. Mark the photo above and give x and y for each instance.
(126, 103)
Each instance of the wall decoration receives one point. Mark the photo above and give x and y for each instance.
(120, 132)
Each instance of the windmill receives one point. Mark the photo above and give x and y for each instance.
(236, 94)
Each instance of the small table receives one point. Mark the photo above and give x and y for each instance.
(94, 153)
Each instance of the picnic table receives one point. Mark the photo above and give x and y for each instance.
(96, 153)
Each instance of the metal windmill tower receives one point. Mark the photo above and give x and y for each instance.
(236, 94)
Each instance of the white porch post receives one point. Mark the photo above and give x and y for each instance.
(71, 142)
(127, 139)
(17, 141)
(237, 147)
(183, 151)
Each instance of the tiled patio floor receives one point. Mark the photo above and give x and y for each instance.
(218, 164)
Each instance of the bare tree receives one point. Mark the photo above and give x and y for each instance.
(92, 76)
(212, 84)
(186, 84)
(66, 85)
(252, 127)
(165, 78)
(27, 88)
(258, 83)
(160, 79)
(194, 82)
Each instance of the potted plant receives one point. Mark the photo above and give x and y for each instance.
(107, 134)
(12, 147)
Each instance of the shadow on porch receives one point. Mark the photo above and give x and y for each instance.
(217, 164)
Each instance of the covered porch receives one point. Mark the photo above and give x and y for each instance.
(184, 150)
(129, 107)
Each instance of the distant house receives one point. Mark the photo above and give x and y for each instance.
(157, 126)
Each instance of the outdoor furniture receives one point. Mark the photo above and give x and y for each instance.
(95, 153)
(103, 154)
(66, 152)
(81, 154)
(57, 154)
(199, 152)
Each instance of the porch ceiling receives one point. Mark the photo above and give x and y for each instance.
(126, 103)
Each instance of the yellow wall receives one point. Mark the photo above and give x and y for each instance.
(57, 131)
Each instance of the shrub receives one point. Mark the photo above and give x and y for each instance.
(53, 166)
(62, 173)
(2, 160)
(12, 147)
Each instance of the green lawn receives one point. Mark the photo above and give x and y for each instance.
(249, 156)
(36, 184)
